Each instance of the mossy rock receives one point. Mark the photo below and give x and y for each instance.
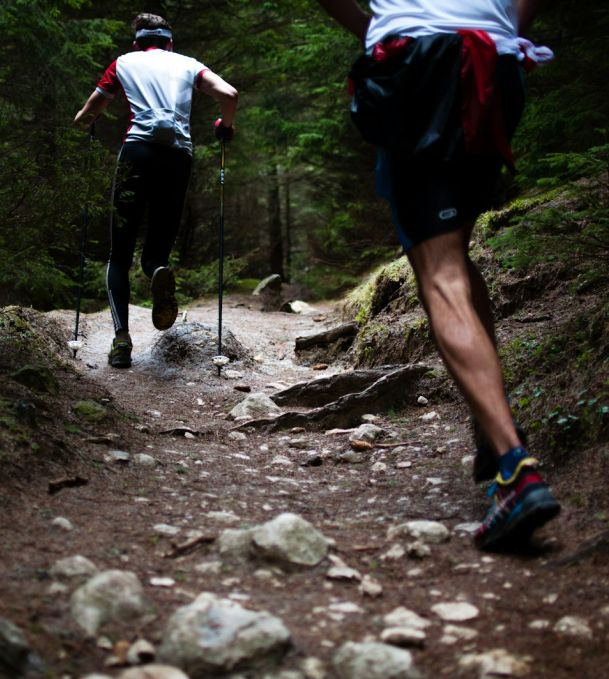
(36, 377)
(90, 411)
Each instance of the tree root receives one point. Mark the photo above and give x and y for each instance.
(389, 389)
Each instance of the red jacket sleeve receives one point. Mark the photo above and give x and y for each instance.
(109, 84)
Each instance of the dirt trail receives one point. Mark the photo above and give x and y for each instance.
(520, 598)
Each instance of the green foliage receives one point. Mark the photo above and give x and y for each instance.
(299, 185)
(567, 227)
(558, 382)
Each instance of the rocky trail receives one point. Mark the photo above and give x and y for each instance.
(337, 546)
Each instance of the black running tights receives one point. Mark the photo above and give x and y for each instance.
(153, 178)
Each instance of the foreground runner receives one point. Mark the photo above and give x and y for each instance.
(154, 163)
(440, 92)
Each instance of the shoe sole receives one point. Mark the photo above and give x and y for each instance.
(120, 364)
(538, 508)
(164, 304)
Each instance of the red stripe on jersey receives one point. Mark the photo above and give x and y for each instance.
(109, 82)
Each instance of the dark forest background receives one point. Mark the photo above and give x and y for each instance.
(299, 188)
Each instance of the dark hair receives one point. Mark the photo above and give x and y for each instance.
(152, 21)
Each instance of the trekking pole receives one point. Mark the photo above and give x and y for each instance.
(219, 361)
(75, 344)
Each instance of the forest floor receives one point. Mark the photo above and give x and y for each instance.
(547, 607)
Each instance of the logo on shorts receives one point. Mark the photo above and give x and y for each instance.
(449, 213)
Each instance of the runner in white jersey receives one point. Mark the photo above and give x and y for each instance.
(154, 164)
(439, 91)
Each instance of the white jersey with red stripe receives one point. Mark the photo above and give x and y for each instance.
(159, 87)
(417, 18)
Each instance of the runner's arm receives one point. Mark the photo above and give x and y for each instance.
(94, 107)
(349, 14)
(226, 95)
(526, 13)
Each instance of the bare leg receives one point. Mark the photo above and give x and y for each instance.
(461, 324)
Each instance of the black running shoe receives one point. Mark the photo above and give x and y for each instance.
(485, 462)
(521, 504)
(120, 353)
(164, 304)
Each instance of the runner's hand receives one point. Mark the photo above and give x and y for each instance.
(222, 132)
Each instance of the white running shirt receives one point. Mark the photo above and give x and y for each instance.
(417, 18)
(159, 86)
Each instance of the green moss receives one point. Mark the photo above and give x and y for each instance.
(90, 411)
(36, 377)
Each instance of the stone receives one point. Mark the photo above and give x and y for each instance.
(422, 401)
(162, 582)
(431, 532)
(370, 587)
(468, 528)
(14, 649)
(299, 307)
(254, 406)
(418, 550)
(144, 460)
(108, 596)
(284, 674)
(62, 523)
(153, 672)
(403, 617)
(236, 543)
(209, 567)
(166, 529)
(213, 635)
(367, 432)
(496, 663)
(74, 569)
(140, 652)
(222, 517)
(573, 626)
(458, 611)
(373, 661)
(313, 668)
(395, 553)
(539, 624)
(452, 634)
(343, 573)
(237, 436)
(289, 539)
(428, 417)
(117, 457)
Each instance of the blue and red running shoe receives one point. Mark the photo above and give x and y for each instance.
(521, 504)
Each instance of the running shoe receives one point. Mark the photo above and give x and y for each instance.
(485, 461)
(521, 504)
(164, 304)
(120, 353)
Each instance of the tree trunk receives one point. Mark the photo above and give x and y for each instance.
(274, 223)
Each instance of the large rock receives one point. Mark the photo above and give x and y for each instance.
(255, 405)
(14, 649)
(214, 635)
(108, 596)
(290, 540)
(373, 661)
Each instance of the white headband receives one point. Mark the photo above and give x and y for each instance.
(153, 33)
